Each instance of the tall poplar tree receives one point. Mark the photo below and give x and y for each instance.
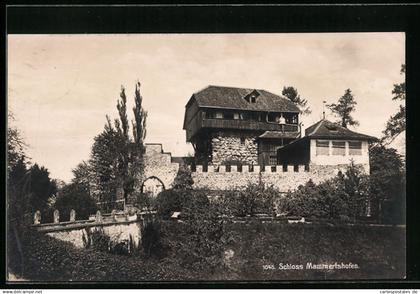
(116, 158)
(140, 116)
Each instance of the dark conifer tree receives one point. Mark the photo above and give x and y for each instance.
(343, 109)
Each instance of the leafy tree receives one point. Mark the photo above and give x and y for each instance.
(356, 187)
(183, 179)
(104, 162)
(116, 158)
(396, 123)
(387, 183)
(28, 190)
(399, 89)
(75, 196)
(18, 192)
(344, 108)
(82, 175)
(42, 187)
(15, 145)
(292, 94)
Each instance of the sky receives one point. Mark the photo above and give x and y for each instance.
(60, 87)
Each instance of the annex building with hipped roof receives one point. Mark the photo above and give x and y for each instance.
(327, 143)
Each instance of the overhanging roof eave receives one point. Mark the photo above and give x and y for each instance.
(231, 108)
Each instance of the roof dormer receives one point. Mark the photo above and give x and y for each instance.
(252, 97)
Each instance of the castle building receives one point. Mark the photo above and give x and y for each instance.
(239, 126)
(227, 125)
(244, 136)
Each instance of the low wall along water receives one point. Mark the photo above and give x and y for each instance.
(120, 227)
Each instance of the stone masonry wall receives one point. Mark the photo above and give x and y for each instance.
(282, 180)
(227, 147)
(117, 232)
(218, 177)
(159, 164)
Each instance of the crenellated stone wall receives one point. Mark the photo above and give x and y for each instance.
(223, 177)
(234, 146)
(284, 178)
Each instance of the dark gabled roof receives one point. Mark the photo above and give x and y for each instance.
(233, 98)
(325, 129)
(279, 135)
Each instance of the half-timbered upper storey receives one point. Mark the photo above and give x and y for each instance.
(217, 107)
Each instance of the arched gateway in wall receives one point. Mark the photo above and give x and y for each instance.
(159, 170)
(152, 186)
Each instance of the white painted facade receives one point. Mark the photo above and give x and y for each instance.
(346, 158)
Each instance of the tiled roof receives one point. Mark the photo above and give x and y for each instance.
(325, 129)
(233, 98)
(279, 135)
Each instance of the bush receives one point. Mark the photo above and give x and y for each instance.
(343, 197)
(387, 184)
(152, 240)
(169, 201)
(172, 200)
(99, 240)
(253, 200)
(74, 196)
(206, 235)
(145, 201)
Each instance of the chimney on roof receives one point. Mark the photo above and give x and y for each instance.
(323, 109)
